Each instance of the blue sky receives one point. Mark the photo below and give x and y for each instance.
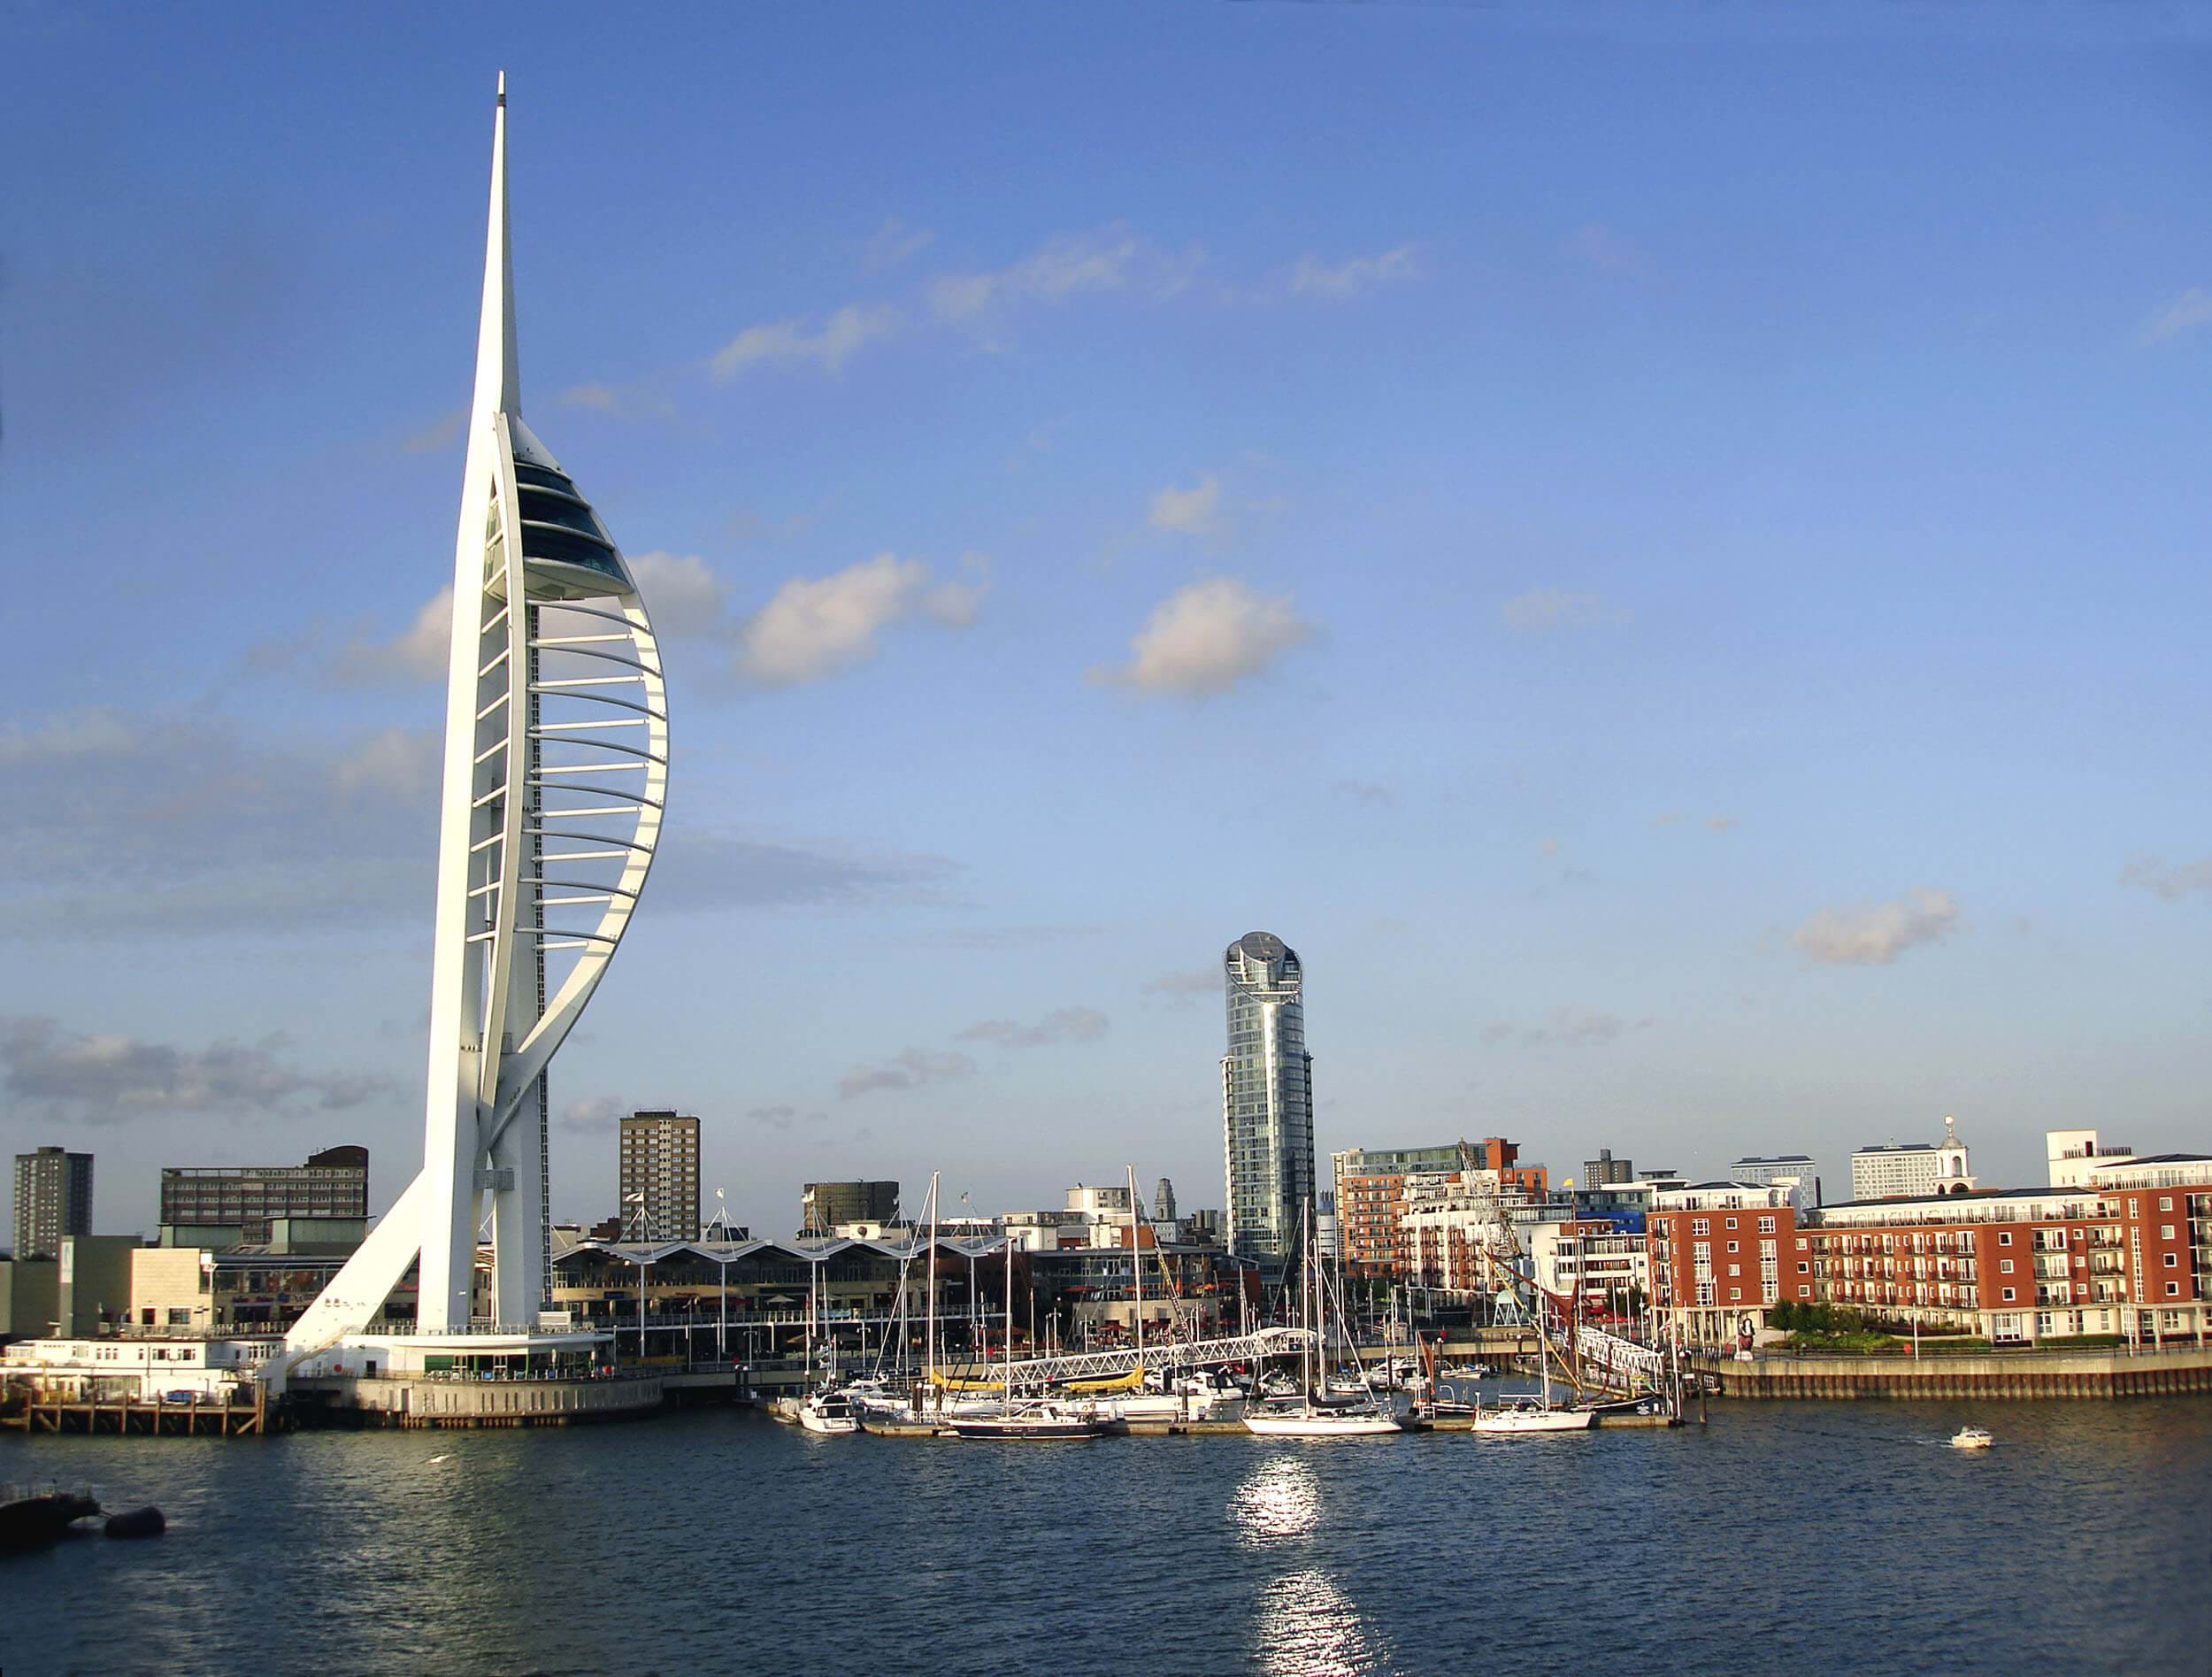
(1663, 551)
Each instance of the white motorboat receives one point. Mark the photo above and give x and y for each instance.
(829, 1412)
(1972, 1438)
(1533, 1417)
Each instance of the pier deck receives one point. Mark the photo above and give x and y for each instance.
(135, 1417)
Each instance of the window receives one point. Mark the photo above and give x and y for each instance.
(2004, 1266)
(2007, 1295)
(1766, 1226)
(2173, 1289)
(1804, 1268)
(1731, 1222)
(1731, 1246)
(2165, 1231)
(2172, 1262)
(2004, 1237)
(1735, 1269)
(2165, 1204)
(1702, 1226)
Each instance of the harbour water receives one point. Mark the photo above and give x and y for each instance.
(1813, 1536)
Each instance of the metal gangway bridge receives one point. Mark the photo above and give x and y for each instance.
(1032, 1373)
(1620, 1363)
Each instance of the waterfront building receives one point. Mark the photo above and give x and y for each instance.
(1163, 1202)
(659, 1174)
(1912, 1168)
(234, 1206)
(1797, 1168)
(1266, 1099)
(1605, 1262)
(178, 1290)
(1605, 1170)
(555, 766)
(1374, 1188)
(1721, 1254)
(823, 1205)
(1455, 1226)
(53, 1199)
(2074, 1155)
(2127, 1252)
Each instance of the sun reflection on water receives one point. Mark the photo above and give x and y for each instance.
(1278, 1500)
(1301, 1620)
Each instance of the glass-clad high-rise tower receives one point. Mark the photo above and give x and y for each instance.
(1266, 1098)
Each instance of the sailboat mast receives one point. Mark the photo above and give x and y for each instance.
(932, 1303)
(1136, 1266)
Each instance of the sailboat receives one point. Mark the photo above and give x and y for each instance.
(1312, 1419)
(1040, 1419)
(1526, 1415)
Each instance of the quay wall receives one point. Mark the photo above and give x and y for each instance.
(354, 1400)
(2016, 1374)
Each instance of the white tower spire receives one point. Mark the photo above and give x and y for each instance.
(555, 769)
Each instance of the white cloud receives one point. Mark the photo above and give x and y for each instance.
(1101, 260)
(1877, 935)
(817, 625)
(1719, 823)
(601, 396)
(2185, 314)
(416, 653)
(893, 243)
(1312, 277)
(2172, 883)
(1542, 608)
(1063, 1025)
(841, 334)
(681, 592)
(1194, 511)
(1208, 636)
(911, 1070)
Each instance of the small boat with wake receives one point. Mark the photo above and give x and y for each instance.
(1972, 1438)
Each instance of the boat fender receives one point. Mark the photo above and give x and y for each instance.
(137, 1522)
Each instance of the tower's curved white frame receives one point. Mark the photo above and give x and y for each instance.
(556, 777)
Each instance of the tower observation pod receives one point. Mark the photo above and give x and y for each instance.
(555, 775)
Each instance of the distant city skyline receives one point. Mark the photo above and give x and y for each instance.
(1686, 609)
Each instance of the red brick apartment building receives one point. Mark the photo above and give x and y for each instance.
(2129, 1252)
(1722, 1252)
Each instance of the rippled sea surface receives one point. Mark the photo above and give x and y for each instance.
(1819, 1536)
